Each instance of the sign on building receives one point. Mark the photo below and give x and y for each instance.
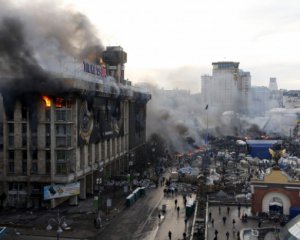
(59, 191)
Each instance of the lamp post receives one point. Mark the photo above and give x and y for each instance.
(60, 222)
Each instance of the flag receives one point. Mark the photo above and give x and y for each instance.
(206, 107)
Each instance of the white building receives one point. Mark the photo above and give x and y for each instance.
(228, 87)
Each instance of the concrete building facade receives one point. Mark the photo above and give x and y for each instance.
(56, 144)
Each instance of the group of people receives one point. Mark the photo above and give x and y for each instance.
(177, 208)
(224, 219)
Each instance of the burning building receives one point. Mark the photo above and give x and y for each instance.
(62, 131)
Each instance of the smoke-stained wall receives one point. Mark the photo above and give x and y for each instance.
(137, 119)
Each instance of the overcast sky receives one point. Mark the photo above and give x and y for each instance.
(173, 42)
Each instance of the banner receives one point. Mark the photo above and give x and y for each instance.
(59, 191)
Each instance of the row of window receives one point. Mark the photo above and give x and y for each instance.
(63, 137)
(63, 159)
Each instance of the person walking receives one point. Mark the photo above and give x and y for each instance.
(95, 222)
(228, 210)
(259, 223)
(212, 222)
(209, 216)
(175, 202)
(224, 220)
(219, 210)
(178, 209)
(170, 235)
(185, 222)
(159, 217)
(227, 235)
(238, 235)
(184, 236)
(233, 222)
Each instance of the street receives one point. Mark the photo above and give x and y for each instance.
(141, 220)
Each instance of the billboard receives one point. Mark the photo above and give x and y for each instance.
(99, 118)
(59, 191)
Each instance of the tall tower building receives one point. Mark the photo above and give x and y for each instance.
(228, 87)
(273, 84)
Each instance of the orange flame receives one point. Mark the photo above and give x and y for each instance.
(58, 102)
(47, 101)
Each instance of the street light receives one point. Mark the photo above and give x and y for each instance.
(60, 222)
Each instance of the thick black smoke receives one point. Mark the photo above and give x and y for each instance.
(39, 40)
(36, 38)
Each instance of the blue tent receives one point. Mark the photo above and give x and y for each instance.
(260, 148)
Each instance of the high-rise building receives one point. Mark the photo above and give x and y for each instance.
(228, 87)
(56, 143)
(273, 84)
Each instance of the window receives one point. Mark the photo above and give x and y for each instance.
(48, 139)
(11, 128)
(61, 115)
(48, 162)
(48, 155)
(11, 166)
(11, 154)
(34, 167)
(24, 155)
(24, 141)
(11, 141)
(34, 154)
(24, 128)
(24, 167)
(47, 115)
(10, 115)
(63, 135)
(47, 126)
(62, 161)
(24, 113)
(34, 139)
(61, 168)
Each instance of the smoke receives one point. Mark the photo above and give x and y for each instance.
(183, 121)
(38, 36)
(174, 115)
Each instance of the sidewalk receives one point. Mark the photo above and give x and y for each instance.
(79, 218)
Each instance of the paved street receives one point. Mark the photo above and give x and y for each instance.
(141, 221)
(173, 222)
(228, 226)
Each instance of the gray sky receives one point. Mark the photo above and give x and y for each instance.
(171, 43)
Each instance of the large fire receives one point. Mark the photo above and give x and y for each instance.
(47, 101)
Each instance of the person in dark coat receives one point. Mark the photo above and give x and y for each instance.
(170, 235)
(227, 235)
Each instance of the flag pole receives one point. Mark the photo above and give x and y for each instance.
(206, 108)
